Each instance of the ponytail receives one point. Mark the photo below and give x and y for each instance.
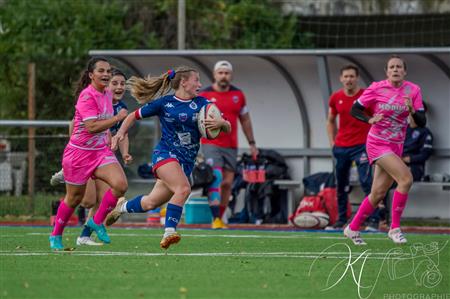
(148, 88)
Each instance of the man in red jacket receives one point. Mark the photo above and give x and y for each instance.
(221, 153)
(348, 143)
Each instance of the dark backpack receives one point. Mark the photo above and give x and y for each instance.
(274, 164)
(202, 175)
(316, 182)
(145, 171)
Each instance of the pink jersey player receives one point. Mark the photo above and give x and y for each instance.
(88, 150)
(91, 104)
(384, 99)
(392, 102)
(88, 153)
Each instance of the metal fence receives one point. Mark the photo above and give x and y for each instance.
(31, 152)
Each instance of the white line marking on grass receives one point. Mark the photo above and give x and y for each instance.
(224, 236)
(241, 253)
(301, 255)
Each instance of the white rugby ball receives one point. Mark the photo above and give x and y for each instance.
(306, 220)
(208, 111)
(324, 219)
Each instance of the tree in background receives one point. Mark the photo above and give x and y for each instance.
(56, 35)
(220, 24)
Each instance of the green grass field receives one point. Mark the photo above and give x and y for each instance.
(223, 264)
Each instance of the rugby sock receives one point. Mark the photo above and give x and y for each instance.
(173, 215)
(108, 203)
(62, 216)
(215, 211)
(365, 209)
(222, 210)
(134, 205)
(86, 232)
(214, 192)
(398, 205)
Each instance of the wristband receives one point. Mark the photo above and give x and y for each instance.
(251, 142)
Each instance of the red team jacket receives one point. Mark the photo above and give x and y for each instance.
(351, 131)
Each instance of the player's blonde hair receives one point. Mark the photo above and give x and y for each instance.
(148, 88)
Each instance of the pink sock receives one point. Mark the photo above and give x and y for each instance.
(364, 211)
(398, 205)
(108, 203)
(62, 216)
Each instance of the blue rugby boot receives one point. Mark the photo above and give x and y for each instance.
(56, 242)
(99, 230)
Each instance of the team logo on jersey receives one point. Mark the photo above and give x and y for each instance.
(392, 107)
(193, 105)
(213, 100)
(407, 90)
(415, 134)
(184, 138)
(235, 99)
(169, 105)
(183, 116)
(340, 102)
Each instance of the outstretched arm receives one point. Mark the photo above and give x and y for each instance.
(120, 135)
(124, 146)
(96, 126)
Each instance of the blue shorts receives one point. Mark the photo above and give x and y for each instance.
(161, 157)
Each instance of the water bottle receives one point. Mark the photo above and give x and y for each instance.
(261, 175)
(245, 171)
(253, 173)
(354, 174)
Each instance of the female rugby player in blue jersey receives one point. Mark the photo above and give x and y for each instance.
(174, 156)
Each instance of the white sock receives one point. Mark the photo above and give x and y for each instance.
(123, 209)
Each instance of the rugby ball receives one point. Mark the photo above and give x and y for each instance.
(208, 111)
(323, 218)
(306, 220)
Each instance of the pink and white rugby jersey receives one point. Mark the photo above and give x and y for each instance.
(387, 100)
(91, 104)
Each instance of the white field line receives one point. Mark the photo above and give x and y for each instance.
(218, 236)
(301, 255)
(284, 253)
